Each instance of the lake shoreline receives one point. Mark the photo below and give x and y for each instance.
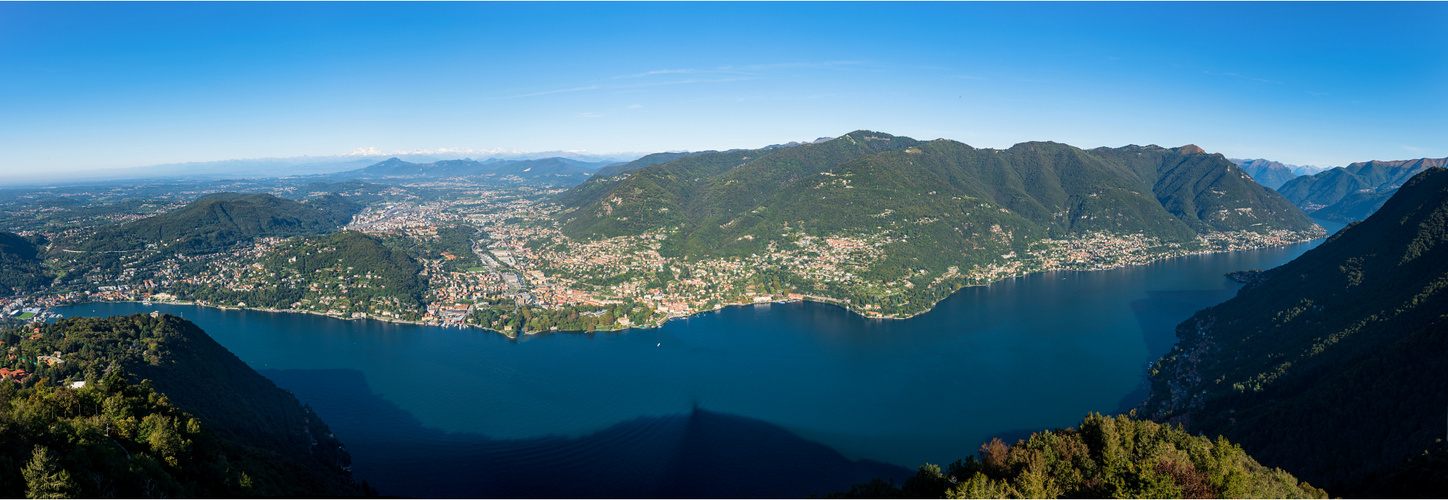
(841, 303)
(845, 304)
(814, 371)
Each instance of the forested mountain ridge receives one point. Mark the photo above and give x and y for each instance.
(892, 224)
(1105, 457)
(646, 160)
(1353, 192)
(164, 411)
(1344, 343)
(706, 186)
(20, 264)
(1174, 194)
(209, 224)
(219, 220)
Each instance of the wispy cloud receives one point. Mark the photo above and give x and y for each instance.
(1244, 77)
(793, 65)
(744, 69)
(589, 115)
(559, 91)
(658, 72)
(681, 82)
(1417, 150)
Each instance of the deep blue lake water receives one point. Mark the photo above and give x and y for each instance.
(766, 400)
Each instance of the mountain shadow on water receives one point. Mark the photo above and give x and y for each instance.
(696, 454)
(1158, 315)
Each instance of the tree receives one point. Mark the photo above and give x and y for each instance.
(45, 479)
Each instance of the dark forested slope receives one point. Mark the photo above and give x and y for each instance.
(164, 411)
(20, 264)
(1331, 367)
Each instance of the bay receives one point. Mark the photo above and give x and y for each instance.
(766, 400)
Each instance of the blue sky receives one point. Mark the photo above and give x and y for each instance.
(100, 85)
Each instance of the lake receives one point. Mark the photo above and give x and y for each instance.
(766, 400)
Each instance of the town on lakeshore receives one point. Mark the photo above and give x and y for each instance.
(495, 258)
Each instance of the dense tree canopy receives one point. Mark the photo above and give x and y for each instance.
(162, 411)
(1329, 366)
(1106, 457)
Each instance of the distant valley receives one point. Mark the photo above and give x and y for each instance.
(1356, 191)
(1273, 174)
(1342, 194)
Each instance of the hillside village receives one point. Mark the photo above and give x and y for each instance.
(518, 262)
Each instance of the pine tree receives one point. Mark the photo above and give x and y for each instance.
(44, 478)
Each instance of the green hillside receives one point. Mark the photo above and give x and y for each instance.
(219, 220)
(646, 160)
(20, 265)
(604, 180)
(1331, 366)
(1106, 457)
(212, 223)
(929, 217)
(346, 272)
(164, 411)
(713, 199)
(709, 187)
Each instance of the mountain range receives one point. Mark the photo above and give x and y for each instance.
(1330, 366)
(941, 193)
(545, 171)
(1273, 174)
(292, 166)
(924, 218)
(1353, 192)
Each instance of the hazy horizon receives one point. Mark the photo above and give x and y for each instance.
(101, 86)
